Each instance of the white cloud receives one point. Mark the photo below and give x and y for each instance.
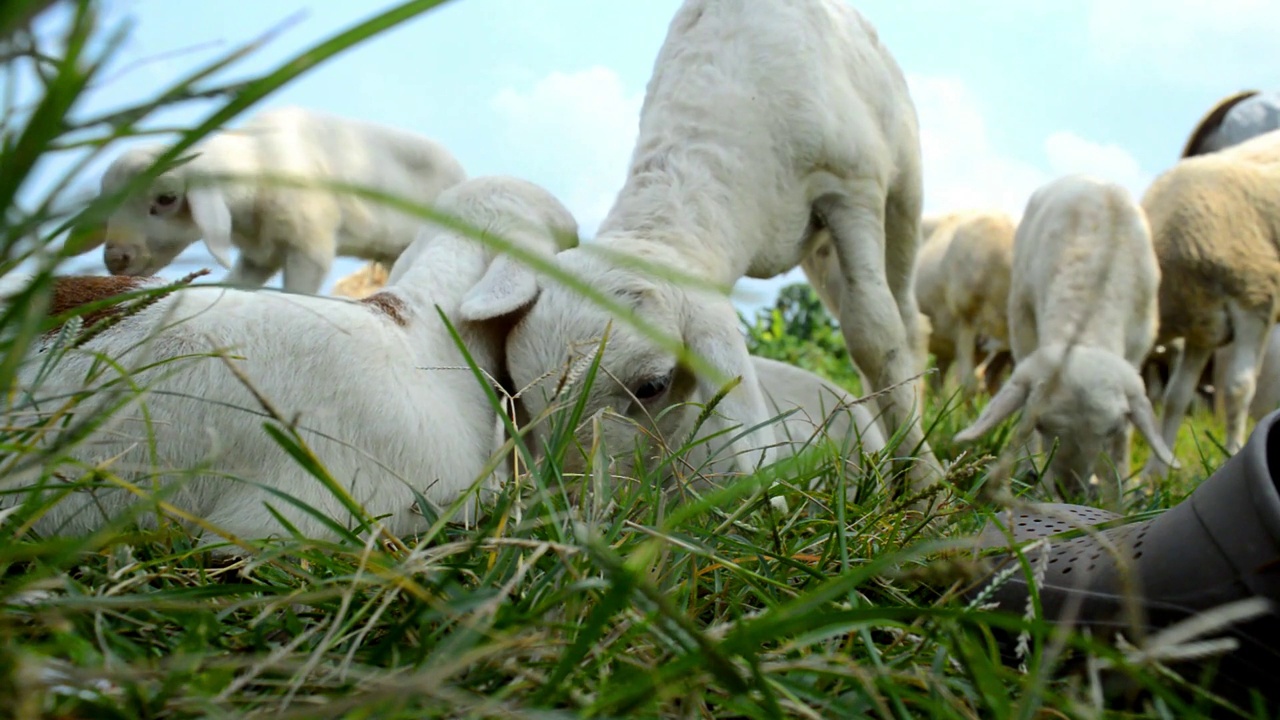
(1196, 43)
(963, 168)
(577, 130)
(1070, 153)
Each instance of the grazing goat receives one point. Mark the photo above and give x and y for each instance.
(1215, 221)
(378, 388)
(275, 226)
(978, 263)
(1232, 120)
(1082, 317)
(765, 126)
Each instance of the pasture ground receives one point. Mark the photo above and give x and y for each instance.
(576, 597)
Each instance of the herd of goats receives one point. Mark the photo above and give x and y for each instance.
(772, 135)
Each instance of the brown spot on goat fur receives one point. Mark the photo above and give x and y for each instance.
(73, 291)
(388, 304)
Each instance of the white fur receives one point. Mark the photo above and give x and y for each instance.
(1082, 307)
(961, 291)
(822, 411)
(977, 266)
(931, 295)
(299, 230)
(763, 125)
(1215, 222)
(822, 269)
(1266, 396)
(387, 408)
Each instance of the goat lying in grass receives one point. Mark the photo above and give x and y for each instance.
(823, 410)
(374, 385)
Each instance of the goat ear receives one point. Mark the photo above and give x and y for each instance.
(213, 217)
(712, 333)
(506, 287)
(1143, 417)
(1009, 400)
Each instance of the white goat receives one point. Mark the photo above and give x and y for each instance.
(277, 226)
(978, 263)
(764, 126)
(1215, 221)
(379, 388)
(1082, 316)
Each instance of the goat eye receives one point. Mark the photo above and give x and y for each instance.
(166, 199)
(652, 388)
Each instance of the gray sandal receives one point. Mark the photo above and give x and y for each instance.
(1220, 544)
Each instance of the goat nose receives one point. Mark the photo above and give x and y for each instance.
(118, 260)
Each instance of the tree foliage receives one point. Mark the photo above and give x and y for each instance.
(797, 329)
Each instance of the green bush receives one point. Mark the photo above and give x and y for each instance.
(799, 330)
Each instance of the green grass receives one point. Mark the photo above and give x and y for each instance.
(660, 606)
(575, 596)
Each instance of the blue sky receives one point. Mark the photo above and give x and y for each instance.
(1010, 93)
